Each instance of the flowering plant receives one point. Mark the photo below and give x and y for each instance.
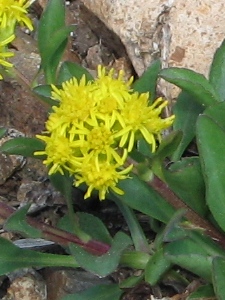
(108, 137)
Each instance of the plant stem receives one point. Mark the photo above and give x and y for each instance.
(57, 235)
(163, 189)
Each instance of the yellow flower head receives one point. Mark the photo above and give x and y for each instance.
(4, 54)
(94, 127)
(101, 178)
(137, 117)
(12, 11)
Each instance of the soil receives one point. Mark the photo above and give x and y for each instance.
(26, 180)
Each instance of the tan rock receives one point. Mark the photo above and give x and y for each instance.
(182, 33)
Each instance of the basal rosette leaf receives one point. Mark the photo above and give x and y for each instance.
(210, 139)
(193, 83)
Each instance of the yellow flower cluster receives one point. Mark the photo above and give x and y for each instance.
(11, 13)
(95, 126)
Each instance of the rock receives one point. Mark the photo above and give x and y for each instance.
(10, 163)
(64, 282)
(28, 286)
(181, 33)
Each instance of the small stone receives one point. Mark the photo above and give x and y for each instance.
(27, 287)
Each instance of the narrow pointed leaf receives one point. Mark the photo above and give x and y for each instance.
(52, 19)
(147, 82)
(186, 110)
(23, 146)
(157, 266)
(13, 258)
(193, 83)
(69, 69)
(17, 223)
(44, 93)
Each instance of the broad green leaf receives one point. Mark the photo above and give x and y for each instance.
(98, 292)
(186, 180)
(203, 292)
(147, 82)
(190, 256)
(217, 112)
(23, 146)
(138, 195)
(157, 266)
(219, 276)
(186, 110)
(13, 258)
(86, 221)
(136, 231)
(193, 83)
(210, 139)
(17, 223)
(217, 71)
(44, 93)
(105, 264)
(70, 69)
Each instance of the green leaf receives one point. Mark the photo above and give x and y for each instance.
(210, 139)
(138, 195)
(57, 39)
(203, 292)
(63, 183)
(13, 258)
(105, 264)
(147, 82)
(44, 93)
(131, 281)
(52, 37)
(169, 144)
(186, 110)
(157, 266)
(3, 131)
(193, 83)
(23, 146)
(217, 71)
(135, 259)
(86, 222)
(98, 292)
(219, 277)
(186, 180)
(17, 223)
(190, 256)
(69, 69)
(217, 112)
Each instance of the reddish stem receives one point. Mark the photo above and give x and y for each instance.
(57, 235)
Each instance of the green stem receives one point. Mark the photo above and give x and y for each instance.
(137, 234)
(135, 259)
